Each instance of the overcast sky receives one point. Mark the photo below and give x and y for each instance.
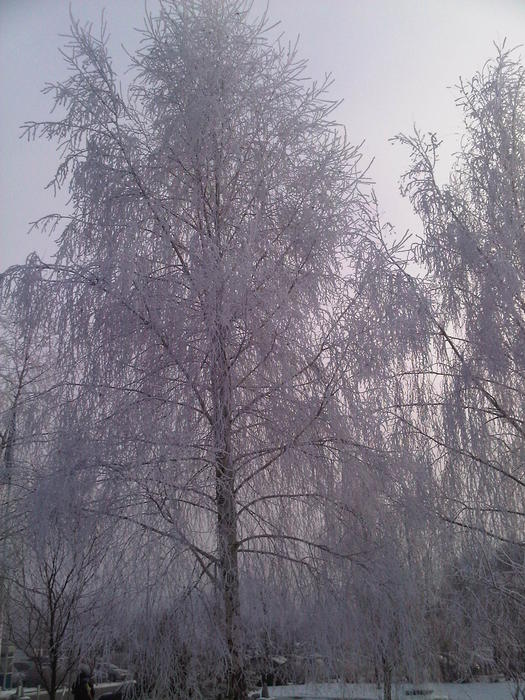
(393, 63)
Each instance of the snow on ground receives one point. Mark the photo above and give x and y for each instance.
(369, 691)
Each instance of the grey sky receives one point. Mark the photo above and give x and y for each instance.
(392, 61)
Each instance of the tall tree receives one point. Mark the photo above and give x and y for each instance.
(220, 299)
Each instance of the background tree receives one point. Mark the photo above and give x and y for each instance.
(57, 573)
(21, 383)
(472, 246)
(470, 402)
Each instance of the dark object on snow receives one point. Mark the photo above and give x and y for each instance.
(83, 688)
(126, 691)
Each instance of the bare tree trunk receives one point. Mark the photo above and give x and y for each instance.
(227, 536)
(387, 680)
(53, 651)
(227, 520)
(9, 460)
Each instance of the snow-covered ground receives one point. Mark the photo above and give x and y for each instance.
(369, 691)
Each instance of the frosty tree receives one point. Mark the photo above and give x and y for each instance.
(220, 298)
(21, 372)
(57, 578)
(50, 545)
(472, 246)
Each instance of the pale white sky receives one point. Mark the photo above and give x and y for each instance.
(393, 62)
